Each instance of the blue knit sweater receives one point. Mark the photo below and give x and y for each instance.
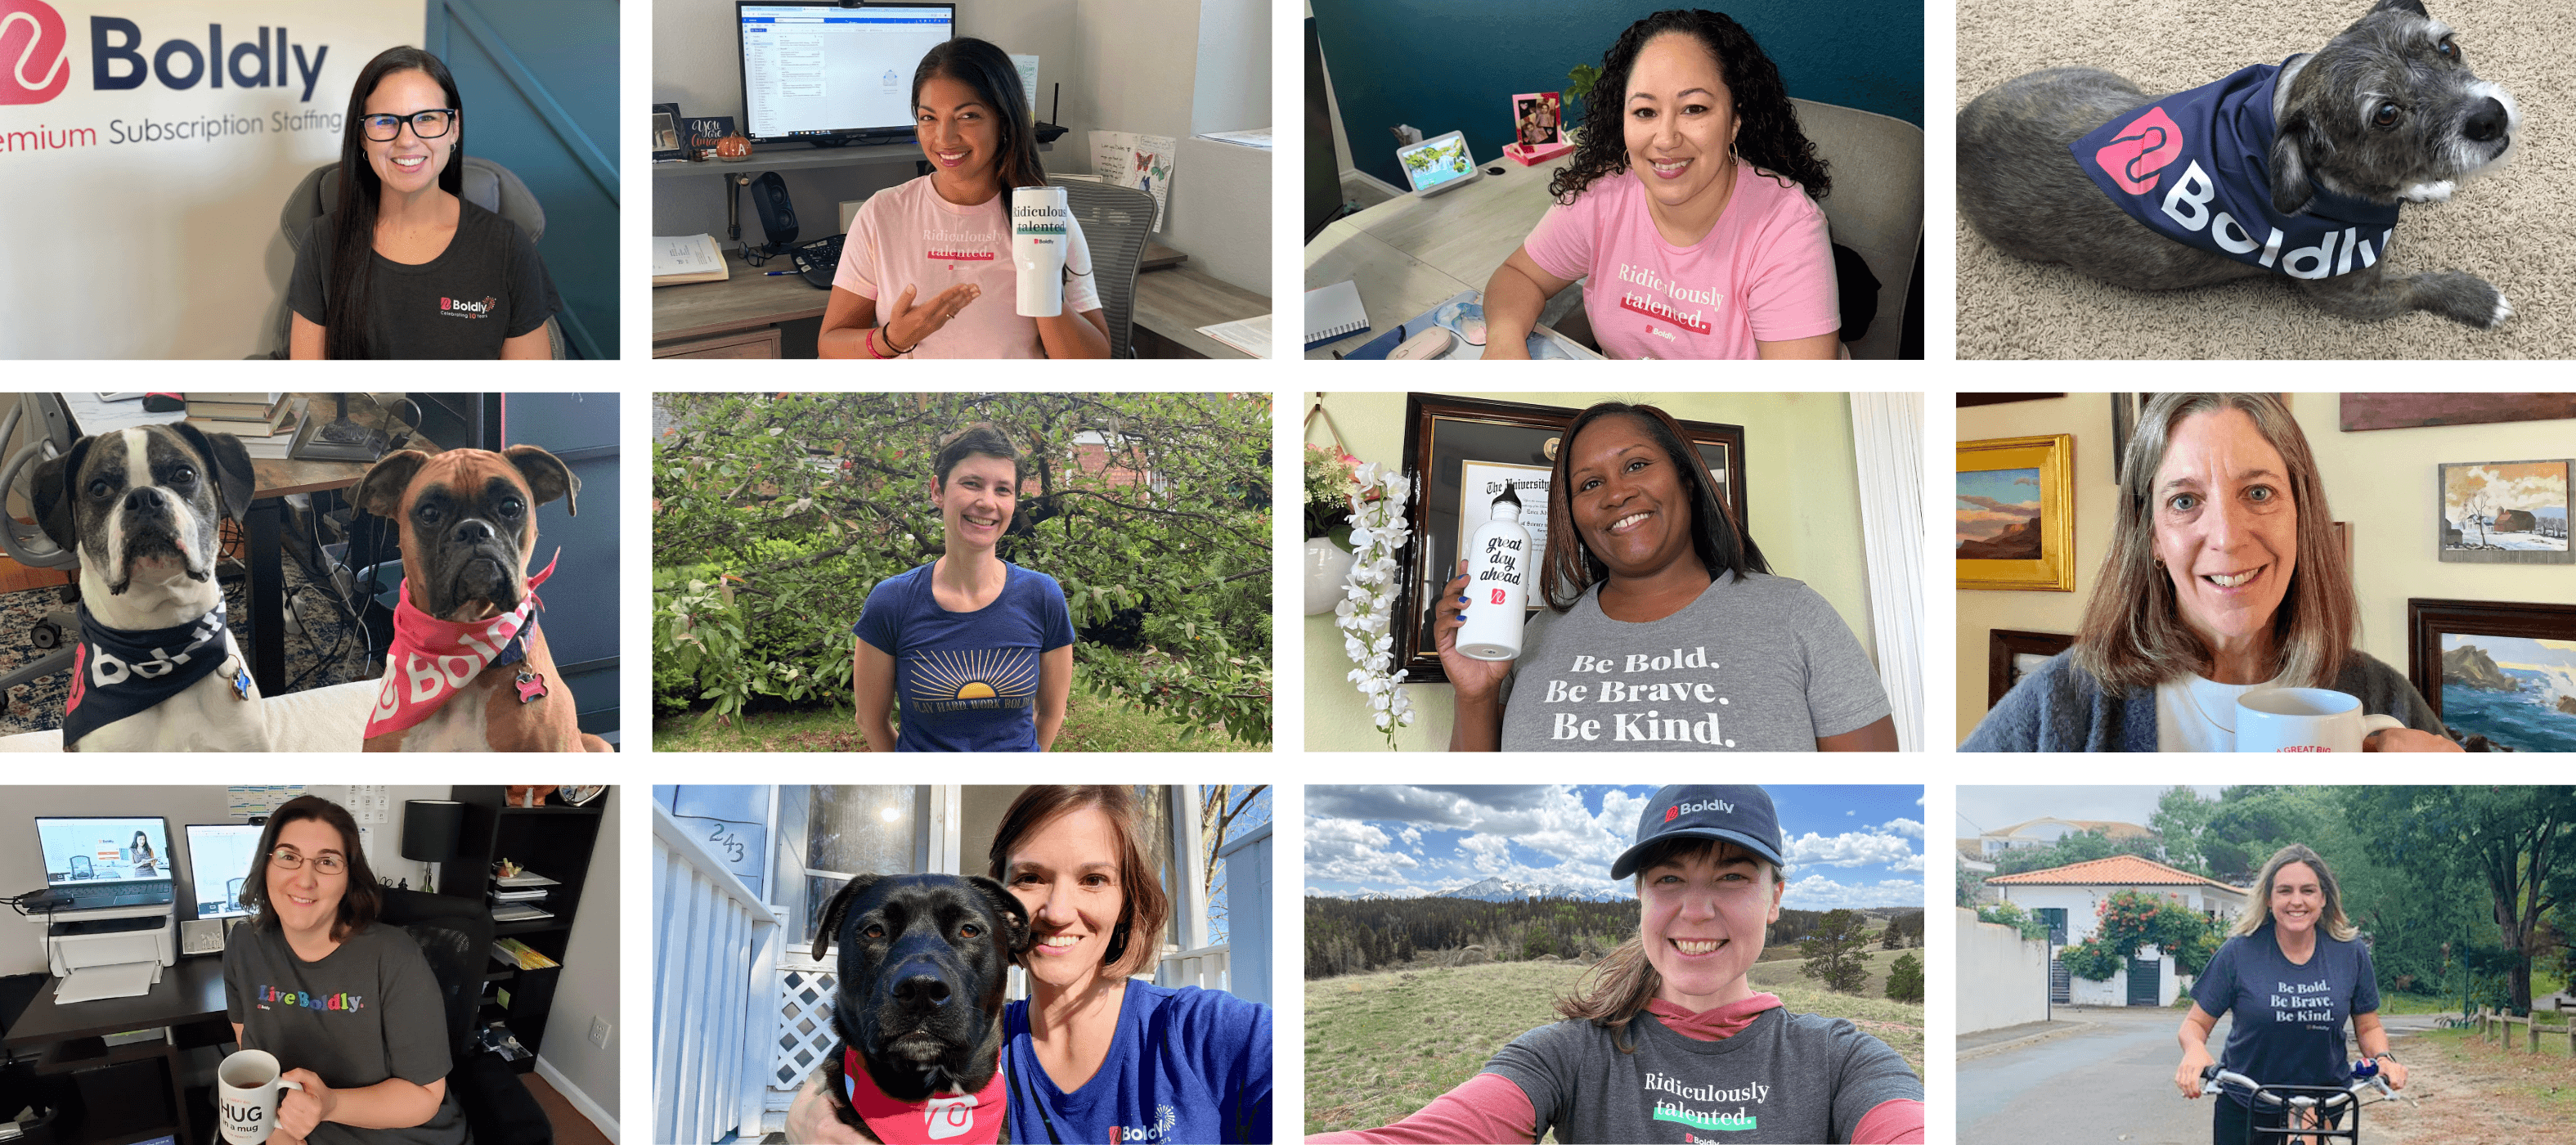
(2060, 707)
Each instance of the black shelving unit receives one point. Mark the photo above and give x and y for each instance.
(550, 840)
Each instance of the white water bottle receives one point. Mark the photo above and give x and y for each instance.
(1497, 584)
(1040, 223)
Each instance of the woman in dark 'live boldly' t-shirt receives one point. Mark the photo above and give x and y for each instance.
(403, 266)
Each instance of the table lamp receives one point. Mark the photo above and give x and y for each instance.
(430, 831)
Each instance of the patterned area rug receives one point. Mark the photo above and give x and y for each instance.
(323, 653)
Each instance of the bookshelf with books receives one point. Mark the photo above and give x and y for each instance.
(532, 908)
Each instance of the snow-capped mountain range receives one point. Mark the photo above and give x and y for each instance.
(1496, 889)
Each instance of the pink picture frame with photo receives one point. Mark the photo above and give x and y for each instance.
(1538, 128)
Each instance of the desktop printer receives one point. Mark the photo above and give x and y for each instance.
(112, 953)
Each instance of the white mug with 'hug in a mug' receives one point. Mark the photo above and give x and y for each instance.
(247, 1086)
(1040, 227)
(2305, 719)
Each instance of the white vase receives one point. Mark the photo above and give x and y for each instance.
(1327, 564)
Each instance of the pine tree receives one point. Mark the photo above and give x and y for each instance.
(1838, 952)
(1905, 978)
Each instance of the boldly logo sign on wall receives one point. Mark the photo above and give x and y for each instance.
(155, 136)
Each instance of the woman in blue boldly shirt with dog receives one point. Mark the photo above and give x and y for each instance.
(1094, 1054)
(977, 651)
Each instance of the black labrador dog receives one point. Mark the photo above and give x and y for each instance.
(922, 969)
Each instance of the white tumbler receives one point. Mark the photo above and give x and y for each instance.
(1497, 584)
(1040, 225)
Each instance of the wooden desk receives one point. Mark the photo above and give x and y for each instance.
(189, 999)
(272, 479)
(1172, 304)
(1409, 253)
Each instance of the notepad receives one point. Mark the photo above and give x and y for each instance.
(1334, 312)
(1251, 335)
(687, 258)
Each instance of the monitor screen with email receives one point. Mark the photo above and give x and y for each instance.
(1438, 163)
(218, 862)
(80, 852)
(815, 69)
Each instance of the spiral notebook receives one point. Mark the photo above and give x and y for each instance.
(1334, 312)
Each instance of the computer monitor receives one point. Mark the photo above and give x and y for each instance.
(219, 857)
(87, 852)
(816, 71)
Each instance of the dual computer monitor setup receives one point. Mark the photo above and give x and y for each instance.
(109, 910)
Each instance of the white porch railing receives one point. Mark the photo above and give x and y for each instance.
(1204, 967)
(1248, 906)
(712, 942)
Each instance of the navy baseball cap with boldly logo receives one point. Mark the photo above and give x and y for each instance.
(1739, 813)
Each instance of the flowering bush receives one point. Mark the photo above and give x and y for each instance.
(1366, 615)
(1330, 483)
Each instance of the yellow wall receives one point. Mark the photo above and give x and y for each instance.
(2383, 482)
(1801, 494)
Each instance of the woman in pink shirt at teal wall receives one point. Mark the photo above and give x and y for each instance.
(1690, 206)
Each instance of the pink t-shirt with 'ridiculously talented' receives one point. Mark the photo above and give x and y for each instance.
(1765, 272)
(909, 236)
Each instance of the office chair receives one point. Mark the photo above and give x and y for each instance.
(1877, 205)
(50, 433)
(1114, 224)
(488, 185)
(81, 868)
(232, 894)
(455, 935)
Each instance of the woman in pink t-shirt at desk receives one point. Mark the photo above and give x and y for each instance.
(1690, 206)
(920, 257)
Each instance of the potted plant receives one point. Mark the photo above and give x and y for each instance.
(1578, 87)
(1329, 489)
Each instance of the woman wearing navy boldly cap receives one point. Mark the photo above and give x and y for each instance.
(1666, 1040)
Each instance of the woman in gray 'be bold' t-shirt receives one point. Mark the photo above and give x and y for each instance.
(1664, 630)
(346, 1003)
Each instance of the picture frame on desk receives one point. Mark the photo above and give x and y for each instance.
(668, 144)
(703, 132)
(1445, 437)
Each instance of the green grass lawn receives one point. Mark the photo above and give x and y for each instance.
(1091, 723)
(1773, 974)
(1380, 1046)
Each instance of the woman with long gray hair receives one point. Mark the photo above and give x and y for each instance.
(2223, 579)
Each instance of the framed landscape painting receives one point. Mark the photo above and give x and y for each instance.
(2501, 675)
(2506, 512)
(2014, 524)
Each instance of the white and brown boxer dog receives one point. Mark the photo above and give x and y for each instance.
(156, 668)
(469, 669)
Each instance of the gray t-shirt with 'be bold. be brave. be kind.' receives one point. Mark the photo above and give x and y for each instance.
(1764, 664)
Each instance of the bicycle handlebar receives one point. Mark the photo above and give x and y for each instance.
(2214, 1073)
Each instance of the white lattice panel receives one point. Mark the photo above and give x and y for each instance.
(804, 1009)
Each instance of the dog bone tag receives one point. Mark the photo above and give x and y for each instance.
(531, 686)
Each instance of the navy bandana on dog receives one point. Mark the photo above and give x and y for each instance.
(2195, 167)
(116, 674)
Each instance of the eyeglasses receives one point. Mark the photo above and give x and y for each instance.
(424, 124)
(294, 861)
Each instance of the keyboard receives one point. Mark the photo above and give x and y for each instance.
(819, 260)
(113, 895)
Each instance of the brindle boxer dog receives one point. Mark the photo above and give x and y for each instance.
(469, 526)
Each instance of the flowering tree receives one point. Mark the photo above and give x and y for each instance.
(2131, 919)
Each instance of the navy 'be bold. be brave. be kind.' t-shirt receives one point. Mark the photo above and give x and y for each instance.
(966, 681)
(2289, 1017)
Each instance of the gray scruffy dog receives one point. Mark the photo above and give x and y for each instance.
(2386, 113)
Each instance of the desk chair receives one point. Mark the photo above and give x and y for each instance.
(50, 434)
(1877, 205)
(1114, 223)
(455, 935)
(488, 185)
(81, 868)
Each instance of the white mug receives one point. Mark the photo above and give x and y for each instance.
(247, 1086)
(1040, 226)
(2304, 719)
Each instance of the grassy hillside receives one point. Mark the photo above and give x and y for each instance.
(1779, 969)
(1380, 1046)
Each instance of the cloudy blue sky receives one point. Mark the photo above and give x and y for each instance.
(1849, 846)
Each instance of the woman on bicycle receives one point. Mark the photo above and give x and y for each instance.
(1666, 1039)
(2293, 973)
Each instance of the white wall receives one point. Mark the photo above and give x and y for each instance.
(1234, 55)
(588, 989)
(2002, 977)
(2084, 992)
(22, 941)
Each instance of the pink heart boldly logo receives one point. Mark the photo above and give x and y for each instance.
(32, 42)
(1672, 813)
(2141, 149)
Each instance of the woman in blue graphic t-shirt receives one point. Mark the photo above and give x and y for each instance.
(1098, 1052)
(2293, 973)
(977, 651)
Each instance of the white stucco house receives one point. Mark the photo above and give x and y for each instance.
(2044, 831)
(2070, 900)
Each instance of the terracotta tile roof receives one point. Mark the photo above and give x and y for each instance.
(2118, 870)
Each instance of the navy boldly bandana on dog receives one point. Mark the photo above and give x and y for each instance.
(116, 674)
(2195, 167)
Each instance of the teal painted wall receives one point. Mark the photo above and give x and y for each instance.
(1453, 65)
(540, 88)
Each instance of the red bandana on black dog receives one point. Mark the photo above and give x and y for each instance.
(968, 1118)
(432, 658)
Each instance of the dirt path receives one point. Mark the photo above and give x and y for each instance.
(2473, 1093)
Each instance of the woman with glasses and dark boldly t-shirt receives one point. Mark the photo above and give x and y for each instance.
(345, 1003)
(403, 266)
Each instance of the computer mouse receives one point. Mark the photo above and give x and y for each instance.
(1429, 345)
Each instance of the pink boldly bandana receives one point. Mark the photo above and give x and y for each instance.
(431, 658)
(967, 1118)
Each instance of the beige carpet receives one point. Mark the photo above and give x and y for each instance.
(2515, 228)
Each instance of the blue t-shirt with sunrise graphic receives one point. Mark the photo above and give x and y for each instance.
(966, 681)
